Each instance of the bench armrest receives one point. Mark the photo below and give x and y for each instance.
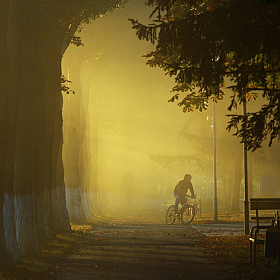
(256, 229)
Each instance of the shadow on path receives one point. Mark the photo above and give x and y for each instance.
(117, 251)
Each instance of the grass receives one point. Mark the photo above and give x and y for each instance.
(225, 217)
(41, 265)
(235, 250)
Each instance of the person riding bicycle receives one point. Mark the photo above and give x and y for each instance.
(181, 189)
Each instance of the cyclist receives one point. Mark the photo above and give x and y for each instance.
(181, 189)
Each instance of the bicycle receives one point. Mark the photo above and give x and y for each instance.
(186, 213)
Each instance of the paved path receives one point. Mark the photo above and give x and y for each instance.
(148, 252)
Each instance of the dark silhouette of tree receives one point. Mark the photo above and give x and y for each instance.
(204, 44)
(34, 35)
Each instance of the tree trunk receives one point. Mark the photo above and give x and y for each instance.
(72, 147)
(8, 248)
(34, 204)
(224, 184)
(94, 149)
(76, 147)
(250, 176)
(56, 216)
(33, 193)
(87, 153)
(26, 86)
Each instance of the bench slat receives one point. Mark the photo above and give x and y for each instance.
(265, 203)
(262, 218)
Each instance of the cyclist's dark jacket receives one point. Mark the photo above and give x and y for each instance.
(182, 187)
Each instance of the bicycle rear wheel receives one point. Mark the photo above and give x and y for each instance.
(187, 214)
(170, 215)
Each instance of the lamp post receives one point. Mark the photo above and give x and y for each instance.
(246, 196)
(215, 165)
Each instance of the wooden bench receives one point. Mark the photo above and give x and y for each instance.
(261, 204)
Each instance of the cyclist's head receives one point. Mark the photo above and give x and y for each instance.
(187, 177)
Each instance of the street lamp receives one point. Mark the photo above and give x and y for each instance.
(246, 197)
(215, 165)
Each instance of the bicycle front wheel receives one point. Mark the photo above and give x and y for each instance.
(170, 215)
(187, 214)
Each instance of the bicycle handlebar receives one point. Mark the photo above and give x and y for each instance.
(194, 197)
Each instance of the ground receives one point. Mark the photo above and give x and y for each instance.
(142, 246)
(140, 250)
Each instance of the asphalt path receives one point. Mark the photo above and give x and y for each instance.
(219, 229)
(142, 251)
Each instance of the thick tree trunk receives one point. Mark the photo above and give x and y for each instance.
(8, 248)
(26, 85)
(32, 175)
(34, 200)
(16, 205)
(73, 148)
(56, 215)
(87, 156)
(94, 149)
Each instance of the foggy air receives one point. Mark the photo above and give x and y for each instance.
(126, 147)
(112, 112)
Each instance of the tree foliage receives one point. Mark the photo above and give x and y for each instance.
(211, 45)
